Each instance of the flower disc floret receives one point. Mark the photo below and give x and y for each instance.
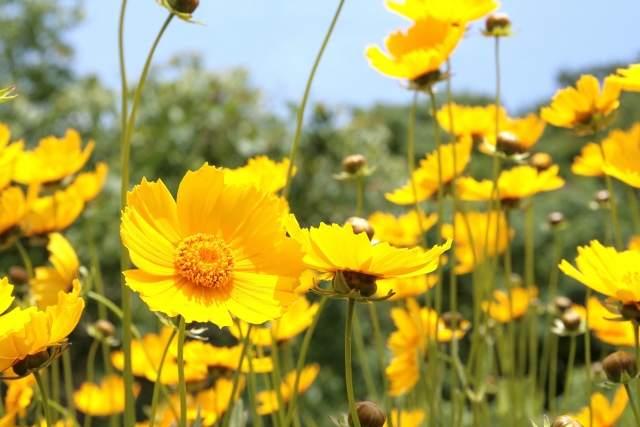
(206, 260)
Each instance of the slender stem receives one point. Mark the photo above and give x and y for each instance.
(55, 386)
(612, 199)
(587, 353)
(91, 362)
(360, 190)
(375, 324)
(182, 384)
(530, 281)
(553, 372)
(633, 207)
(267, 383)
(411, 163)
(362, 357)
(347, 362)
(156, 388)
(45, 399)
(95, 266)
(68, 383)
(26, 260)
(303, 105)
(276, 375)
(63, 412)
(253, 389)
(634, 407)
(236, 378)
(567, 384)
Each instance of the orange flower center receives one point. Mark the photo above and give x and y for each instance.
(206, 260)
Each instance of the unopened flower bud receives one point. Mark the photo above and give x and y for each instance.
(184, 6)
(369, 414)
(508, 143)
(562, 303)
(618, 363)
(353, 163)
(555, 218)
(497, 21)
(361, 225)
(105, 327)
(447, 318)
(565, 421)
(541, 161)
(30, 363)
(602, 196)
(630, 311)
(364, 283)
(18, 275)
(571, 320)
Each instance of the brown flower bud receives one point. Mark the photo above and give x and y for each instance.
(447, 318)
(497, 21)
(602, 196)
(630, 311)
(353, 163)
(184, 6)
(541, 161)
(105, 327)
(369, 415)
(364, 283)
(555, 218)
(18, 275)
(508, 143)
(361, 225)
(31, 363)
(562, 303)
(571, 320)
(565, 421)
(618, 363)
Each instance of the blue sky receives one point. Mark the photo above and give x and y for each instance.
(277, 41)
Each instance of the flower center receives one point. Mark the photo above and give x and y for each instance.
(206, 260)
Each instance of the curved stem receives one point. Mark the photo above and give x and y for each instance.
(303, 105)
(156, 388)
(45, 399)
(347, 362)
(182, 384)
(567, 384)
(253, 389)
(26, 260)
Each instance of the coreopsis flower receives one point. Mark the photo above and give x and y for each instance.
(618, 144)
(403, 372)
(183, 9)
(457, 11)
(53, 213)
(628, 78)
(104, 399)
(406, 287)
(418, 51)
(608, 331)
(622, 156)
(584, 107)
(604, 414)
(426, 175)
(268, 399)
(406, 418)
(19, 394)
(51, 280)
(13, 208)
(477, 121)
(517, 183)
(261, 172)
(218, 250)
(521, 134)
(492, 242)
(503, 309)
(403, 231)
(605, 270)
(226, 358)
(24, 333)
(8, 155)
(89, 184)
(214, 402)
(53, 159)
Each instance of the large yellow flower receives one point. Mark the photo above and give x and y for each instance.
(51, 280)
(89, 184)
(13, 208)
(426, 175)
(604, 270)
(268, 400)
(577, 106)
(403, 231)
(53, 213)
(458, 11)
(609, 331)
(421, 50)
(52, 160)
(262, 172)
(604, 414)
(8, 155)
(616, 146)
(503, 308)
(478, 122)
(104, 399)
(219, 250)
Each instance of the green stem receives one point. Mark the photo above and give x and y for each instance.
(156, 387)
(347, 362)
(587, 353)
(276, 375)
(303, 105)
(362, 357)
(567, 384)
(530, 281)
(236, 378)
(68, 383)
(253, 389)
(55, 386)
(612, 199)
(64, 413)
(553, 372)
(45, 399)
(634, 407)
(182, 384)
(411, 163)
(375, 324)
(95, 267)
(360, 190)
(267, 383)
(26, 260)
(91, 362)
(633, 207)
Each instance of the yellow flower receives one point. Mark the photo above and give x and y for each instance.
(261, 172)
(30, 331)
(604, 414)
(419, 51)
(52, 160)
(49, 281)
(406, 287)
(214, 402)
(268, 400)
(466, 245)
(477, 122)
(617, 146)
(13, 208)
(102, 400)
(504, 309)
(19, 394)
(628, 78)
(205, 354)
(8, 155)
(458, 11)
(426, 175)
(403, 372)
(527, 131)
(406, 418)
(308, 280)
(402, 231)
(578, 106)
(219, 250)
(622, 161)
(517, 183)
(53, 213)
(608, 331)
(89, 184)
(604, 270)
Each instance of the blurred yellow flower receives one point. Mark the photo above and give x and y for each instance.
(219, 250)
(603, 269)
(426, 175)
(8, 155)
(608, 331)
(617, 145)
(402, 231)
(476, 121)
(503, 308)
(268, 399)
(577, 107)
(89, 184)
(623, 162)
(604, 414)
(403, 372)
(477, 223)
(261, 172)
(19, 394)
(527, 132)
(406, 287)
(308, 280)
(13, 208)
(227, 358)
(53, 159)
(53, 213)
(51, 280)
(418, 51)
(628, 78)
(406, 418)
(102, 400)
(457, 11)
(214, 402)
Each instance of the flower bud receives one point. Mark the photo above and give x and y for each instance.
(447, 319)
(497, 21)
(184, 6)
(602, 196)
(364, 283)
(555, 218)
(618, 363)
(18, 275)
(361, 225)
(105, 327)
(541, 161)
(562, 303)
(369, 415)
(508, 143)
(630, 311)
(353, 163)
(571, 320)
(30, 363)
(565, 421)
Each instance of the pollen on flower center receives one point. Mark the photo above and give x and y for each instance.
(206, 260)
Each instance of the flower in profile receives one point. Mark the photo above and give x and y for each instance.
(219, 250)
(503, 308)
(604, 414)
(426, 175)
(53, 213)
(89, 184)
(268, 400)
(628, 78)
(51, 280)
(609, 331)
(183, 9)
(13, 208)
(406, 287)
(8, 155)
(477, 121)
(53, 159)
(403, 231)
(104, 399)
(617, 145)
(406, 418)
(583, 107)
(200, 353)
(605, 270)
(457, 11)
(470, 249)
(261, 172)
(418, 51)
